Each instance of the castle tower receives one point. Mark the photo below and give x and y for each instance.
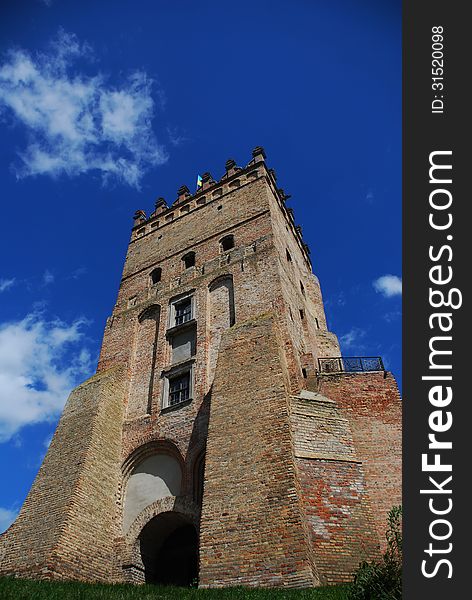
(223, 438)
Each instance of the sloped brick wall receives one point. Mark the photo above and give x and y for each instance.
(67, 524)
(252, 526)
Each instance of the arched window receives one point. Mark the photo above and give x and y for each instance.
(189, 260)
(155, 275)
(227, 243)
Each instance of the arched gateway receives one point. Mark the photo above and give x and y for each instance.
(161, 545)
(169, 550)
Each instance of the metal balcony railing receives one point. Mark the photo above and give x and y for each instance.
(350, 364)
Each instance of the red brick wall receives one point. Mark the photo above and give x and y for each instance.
(371, 402)
(333, 488)
(338, 512)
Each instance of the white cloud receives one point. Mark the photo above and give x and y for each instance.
(352, 338)
(6, 284)
(48, 277)
(176, 138)
(388, 285)
(34, 379)
(47, 441)
(79, 123)
(7, 516)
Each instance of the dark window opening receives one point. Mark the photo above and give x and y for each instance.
(183, 311)
(189, 260)
(302, 314)
(304, 373)
(179, 389)
(227, 243)
(302, 288)
(289, 257)
(317, 323)
(156, 275)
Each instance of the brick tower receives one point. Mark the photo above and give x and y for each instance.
(223, 438)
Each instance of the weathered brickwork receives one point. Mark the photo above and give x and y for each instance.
(371, 403)
(67, 524)
(208, 445)
(334, 490)
(251, 502)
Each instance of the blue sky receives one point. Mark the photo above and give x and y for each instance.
(104, 106)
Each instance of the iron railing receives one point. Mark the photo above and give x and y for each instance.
(350, 364)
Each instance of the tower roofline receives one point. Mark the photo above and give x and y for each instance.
(210, 186)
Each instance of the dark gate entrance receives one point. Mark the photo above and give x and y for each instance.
(169, 550)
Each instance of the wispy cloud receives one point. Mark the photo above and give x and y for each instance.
(47, 441)
(6, 284)
(48, 277)
(7, 516)
(393, 315)
(38, 370)
(175, 137)
(388, 285)
(77, 273)
(78, 123)
(352, 339)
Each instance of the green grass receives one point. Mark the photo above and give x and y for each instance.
(22, 589)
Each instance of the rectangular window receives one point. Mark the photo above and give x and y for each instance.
(179, 388)
(183, 311)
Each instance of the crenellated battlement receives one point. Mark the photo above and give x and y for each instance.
(213, 190)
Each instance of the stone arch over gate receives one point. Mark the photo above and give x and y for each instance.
(167, 516)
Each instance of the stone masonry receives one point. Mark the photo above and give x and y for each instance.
(214, 444)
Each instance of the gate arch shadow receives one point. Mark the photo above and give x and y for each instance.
(162, 543)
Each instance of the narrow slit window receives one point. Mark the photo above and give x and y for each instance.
(288, 255)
